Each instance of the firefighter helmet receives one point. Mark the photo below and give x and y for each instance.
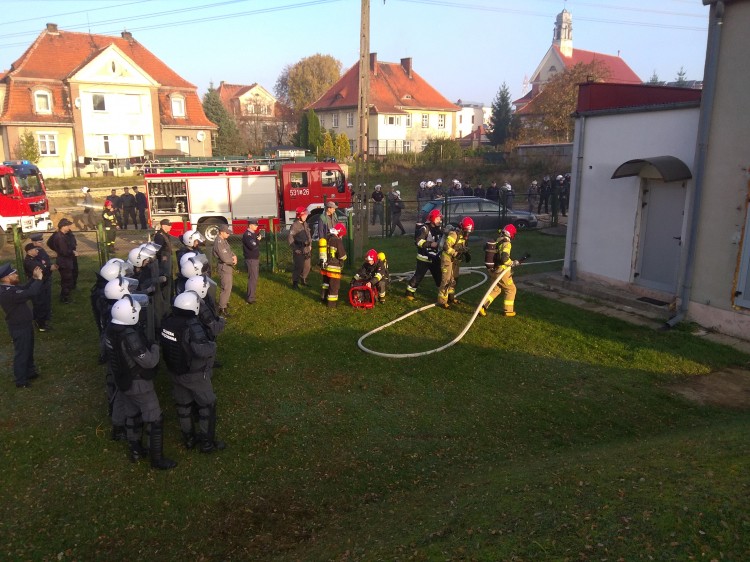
(189, 301)
(372, 256)
(509, 231)
(299, 211)
(434, 215)
(339, 230)
(467, 224)
(381, 256)
(125, 311)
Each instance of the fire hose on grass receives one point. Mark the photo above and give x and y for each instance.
(463, 270)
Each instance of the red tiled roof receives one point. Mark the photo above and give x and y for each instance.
(619, 71)
(59, 55)
(390, 85)
(602, 96)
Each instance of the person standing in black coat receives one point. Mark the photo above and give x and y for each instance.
(42, 302)
(63, 242)
(251, 252)
(20, 320)
(164, 258)
(140, 205)
(128, 208)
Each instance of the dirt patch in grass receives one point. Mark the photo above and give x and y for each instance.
(729, 388)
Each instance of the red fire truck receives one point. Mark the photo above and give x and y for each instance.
(23, 198)
(208, 196)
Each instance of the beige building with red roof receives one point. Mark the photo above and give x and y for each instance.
(405, 111)
(95, 99)
(561, 55)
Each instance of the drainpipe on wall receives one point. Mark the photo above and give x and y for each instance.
(716, 19)
(570, 265)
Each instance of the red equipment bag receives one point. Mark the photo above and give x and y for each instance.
(362, 296)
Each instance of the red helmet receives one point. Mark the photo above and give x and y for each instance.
(372, 256)
(300, 211)
(467, 224)
(434, 215)
(509, 230)
(340, 229)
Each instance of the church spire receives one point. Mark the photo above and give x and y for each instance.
(563, 35)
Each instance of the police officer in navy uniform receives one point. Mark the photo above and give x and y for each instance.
(164, 257)
(42, 302)
(18, 316)
(134, 362)
(189, 354)
(251, 253)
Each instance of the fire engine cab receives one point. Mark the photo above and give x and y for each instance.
(23, 198)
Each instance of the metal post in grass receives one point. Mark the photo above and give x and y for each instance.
(101, 244)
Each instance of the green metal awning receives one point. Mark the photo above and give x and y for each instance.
(670, 168)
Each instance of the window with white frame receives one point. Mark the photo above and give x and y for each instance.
(335, 118)
(322, 120)
(441, 120)
(47, 144)
(408, 120)
(178, 106)
(424, 144)
(98, 102)
(425, 120)
(407, 146)
(350, 119)
(105, 144)
(182, 143)
(43, 101)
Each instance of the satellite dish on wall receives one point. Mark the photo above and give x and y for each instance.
(200, 135)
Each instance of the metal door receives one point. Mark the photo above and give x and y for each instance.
(662, 216)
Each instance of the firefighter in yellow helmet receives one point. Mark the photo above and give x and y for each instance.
(503, 262)
(455, 249)
(333, 264)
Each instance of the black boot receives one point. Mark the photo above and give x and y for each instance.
(188, 439)
(157, 443)
(209, 444)
(118, 433)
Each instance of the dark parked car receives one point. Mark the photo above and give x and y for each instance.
(487, 215)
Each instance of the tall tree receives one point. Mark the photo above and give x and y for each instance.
(302, 83)
(27, 148)
(314, 133)
(343, 148)
(228, 139)
(327, 150)
(680, 79)
(502, 114)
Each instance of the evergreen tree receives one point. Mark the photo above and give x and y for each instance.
(27, 148)
(502, 114)
(301, 138)
(314, 134)
(327, 150)
(343, 148)
(228, 139)
(680, 80)
(654, 80)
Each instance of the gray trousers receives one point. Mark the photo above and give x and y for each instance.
(301, 266)
(189, 389)
(225, 281)
(253, 269)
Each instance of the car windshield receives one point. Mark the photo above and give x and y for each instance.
(29, 182)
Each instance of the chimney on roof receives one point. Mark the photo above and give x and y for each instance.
(406, 63)
(127, 35)
(52, 28)
(374, 63)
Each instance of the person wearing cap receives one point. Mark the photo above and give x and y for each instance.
(327, 220)
(377, 206)
(62, 242)
(165, 240)
(398, 207)
(127, 201)
(20, 320)
(251, 253)
(42, 301)
(300, 242)
(226, 260)
(88, 209)
(140, 205)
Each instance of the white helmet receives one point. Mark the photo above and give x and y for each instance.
(191, 266)
(558, 178)
(378, 186)
(115, 268)
(191, 236)
(85, 189)
(431, 183)
(200, 284)
(188, 300)
(119, 287)
(456, 182)
(534, 182)
(125, 311)
(398, 193)
(439, 180)
(423, 184)
(138, 255)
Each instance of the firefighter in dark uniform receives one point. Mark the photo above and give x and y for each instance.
(455, 249)
(134, 361)
(427, 240)
(503, 262)
(300, 242)
(372, 274)
(333, 263)
(42, 302)
(164, 258)
(109, 221)
(189, 354)
(20, 320)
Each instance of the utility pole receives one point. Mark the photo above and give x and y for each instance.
(363, 110)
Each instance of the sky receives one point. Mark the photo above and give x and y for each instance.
(466, 49)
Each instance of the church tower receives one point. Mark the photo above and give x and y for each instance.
(563, 35)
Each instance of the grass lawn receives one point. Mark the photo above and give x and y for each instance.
(548, 436)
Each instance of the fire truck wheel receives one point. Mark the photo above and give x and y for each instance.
(210, 229)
